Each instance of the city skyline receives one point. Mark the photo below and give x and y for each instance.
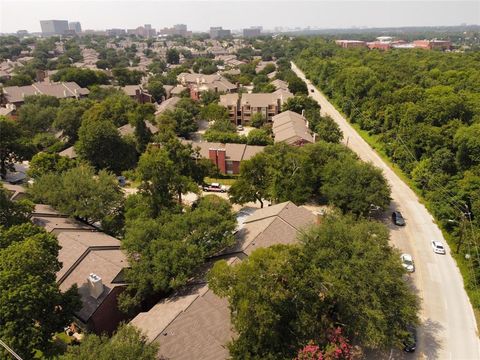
(197, 14)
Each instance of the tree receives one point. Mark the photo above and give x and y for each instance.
(13, 212)
(44, 163)
(32, 307)
(297, 86)
(69, 118)
(173, 57)
(114, 106)
(467, 141)
(13, 145)
(127, 343)
(83, 77)
(213, 112)
(156, 89)
(181, 121)
(127, 77)
(337, 348)
(38, 113)
(355, 186)
(300, 103)
(252, 183)
(173, 246)
(342, 272)
(328, 130)
(259, 137)
(209, 97)
(100, 143)
(79, 192)
(258, 120)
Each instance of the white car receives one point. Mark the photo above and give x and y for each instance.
(407, 262)
(438, 247)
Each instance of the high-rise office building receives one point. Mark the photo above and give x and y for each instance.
(54, 27)
(252, 31)
(219, 33)
(75, 26)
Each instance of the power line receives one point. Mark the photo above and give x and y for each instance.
(13, 353)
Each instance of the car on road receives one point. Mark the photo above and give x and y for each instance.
(410, 341)
(407, 262)
(398, 219)
(214, 187)
(437, 247)
(312, 90)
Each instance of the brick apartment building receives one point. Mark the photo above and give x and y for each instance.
(433, 44)
(241, 109)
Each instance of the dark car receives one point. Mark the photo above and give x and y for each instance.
(398, 219)
(312, 90)
(410, 342)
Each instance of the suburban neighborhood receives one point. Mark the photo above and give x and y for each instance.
(253, 192)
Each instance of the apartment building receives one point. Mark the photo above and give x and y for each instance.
(198, 83)
(241, 109)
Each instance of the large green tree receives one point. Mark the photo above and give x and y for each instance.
(79, 192)
(14, 145)
(32, 308)
(342, 273)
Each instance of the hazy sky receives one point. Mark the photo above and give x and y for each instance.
(200, 15)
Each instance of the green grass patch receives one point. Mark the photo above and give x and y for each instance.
(223, 181)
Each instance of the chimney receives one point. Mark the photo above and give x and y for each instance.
(222, 164)
(318, 216)
(95, 285)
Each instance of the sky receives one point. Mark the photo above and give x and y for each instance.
(236, 14)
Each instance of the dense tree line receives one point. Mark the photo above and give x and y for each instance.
(423, 108)
(326, 173)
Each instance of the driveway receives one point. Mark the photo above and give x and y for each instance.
(448, 328)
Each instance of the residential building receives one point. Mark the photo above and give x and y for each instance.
(75, 26)
(54, 27)
(138, 93)
(219, 33)
(226, 157)
(195, 323)
(348, 44)
(292, 129)
(129, 130)
(198, 83)
(15, 95)
(91, 260)
(253, 31)
(241, 109)
(433, 44)
(168, 104)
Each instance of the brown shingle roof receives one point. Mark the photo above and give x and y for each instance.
(195, 323)
(16, 94)
(128, 129)
(290, 127)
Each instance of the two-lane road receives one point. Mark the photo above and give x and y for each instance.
(448, 328)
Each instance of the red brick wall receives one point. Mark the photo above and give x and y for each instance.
(221, 157)
(236, 167)
(107, 316)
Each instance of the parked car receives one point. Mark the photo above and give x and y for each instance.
(240, 127)
(312, 90)
(398, 219)
(407, 262)
(410, 342)
(215, 187)
(438, 247)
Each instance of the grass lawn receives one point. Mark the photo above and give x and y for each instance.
(209, 180)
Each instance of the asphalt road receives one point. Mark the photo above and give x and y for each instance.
(448, 329)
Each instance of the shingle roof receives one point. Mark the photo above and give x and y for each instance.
(128, 129)
(83, 251)
(229, 99)
(166, 105)
(290, 127)
(259, 99)
(16, 94)
(233, 152)
(195, 323)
